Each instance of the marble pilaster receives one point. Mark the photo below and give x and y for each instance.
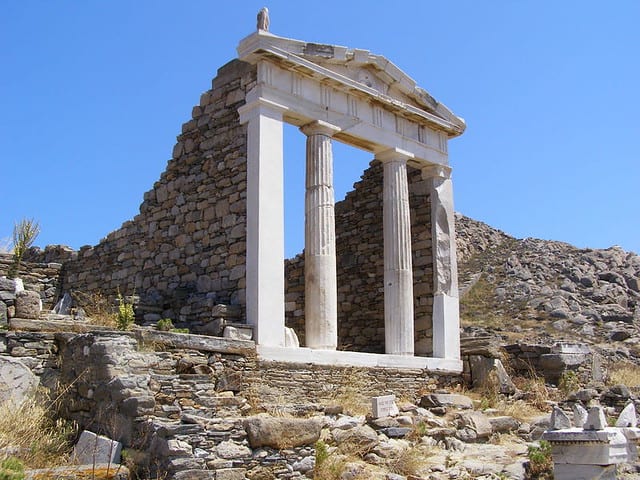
(265, 220)
(446, 310)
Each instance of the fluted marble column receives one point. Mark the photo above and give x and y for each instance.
(398, 272)
(321, 291)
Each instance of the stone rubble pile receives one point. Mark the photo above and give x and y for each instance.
(585, 295)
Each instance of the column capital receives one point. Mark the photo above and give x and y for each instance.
(436, 171)
(394, 154)
(260, 106)
(320, 127)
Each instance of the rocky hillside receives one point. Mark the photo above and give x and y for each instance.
(548, 291)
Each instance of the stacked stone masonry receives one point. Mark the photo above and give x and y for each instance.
(183, 408)
(185, 251)
(188, 241)
(360, 266)
(38, 275)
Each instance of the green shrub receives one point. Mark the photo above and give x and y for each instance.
(179, 330)
(24, 234)
(540, 461)
(164, 325)
(569, 382)
(125, 315)
(11, 469)
(322, 453)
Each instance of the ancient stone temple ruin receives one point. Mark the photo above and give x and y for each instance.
(211, 231)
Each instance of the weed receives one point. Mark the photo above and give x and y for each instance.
(24, 234)
(418, 431)
(409, 462)
(569, 382)
(535, 390)
(336, 466)
(322, 452)
(11, 469)
(521, 410)
(125, 315)
(164, 325)
(490, 391)
(40, 441)
(349, 387)
(97, 307)
(540, 461)
(179, 330)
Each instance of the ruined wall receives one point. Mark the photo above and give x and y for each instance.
(185, 251)
(179, 395)
(360, 266)
(38, 276)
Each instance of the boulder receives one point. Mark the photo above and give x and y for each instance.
(559, 419)
(7, 285)
(28, 304)
(555, 364)
(360, 439)
(504, 424)
(628, 417)
(92, 449)
(477, 422)
(446, 400)
(231, 450)
(266, 431)
(482, 368)
(17, 381)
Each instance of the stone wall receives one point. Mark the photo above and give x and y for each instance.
(185, 250)
(181, 401)
(41, 277)
(360, 266)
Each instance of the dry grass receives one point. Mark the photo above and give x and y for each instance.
(38, 439)
(537, 395)
(99, 309)
(478, 305)
(333, 465)
(505, 439)
(521, 410)
(625, 373)
(350, 383)
(411, 461)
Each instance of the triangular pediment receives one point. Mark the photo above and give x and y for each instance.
(353, 69)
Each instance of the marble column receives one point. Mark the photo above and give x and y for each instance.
(446, 309)
(265, 219)
(321, 291)
(398, 272)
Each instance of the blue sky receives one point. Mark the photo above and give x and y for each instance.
(93, 94)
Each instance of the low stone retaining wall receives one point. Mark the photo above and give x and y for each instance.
(179, 402)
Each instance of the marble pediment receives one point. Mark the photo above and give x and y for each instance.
(357, 71)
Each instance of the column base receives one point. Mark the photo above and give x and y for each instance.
(357, 359)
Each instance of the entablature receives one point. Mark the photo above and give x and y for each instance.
(373, 102)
